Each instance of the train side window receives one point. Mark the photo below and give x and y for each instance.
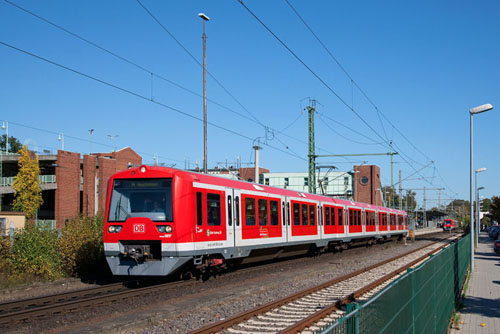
(262, 212)
(304, 214)
(229, 211)
(213, 210)
(340, 217)
(327, 216)
(312, 215)
(350, 218)
(249, 211)
(296, 214)
(237, 206)
(199, 208)
(274, 207)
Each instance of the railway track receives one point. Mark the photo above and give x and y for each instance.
(35, 308)
(12, 313)
(299, 311)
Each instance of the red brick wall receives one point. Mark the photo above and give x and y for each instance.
(249, 173)
(89, 174)
(125, 156)
(367, 192)
(107, 167)
(67, 195)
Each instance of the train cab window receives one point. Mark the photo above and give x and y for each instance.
(262, 212)
(229, 211)
(312, 215)
(199, 208)
(304, 214)
(274, 208)
(237, 211)
(340, 217)
(249, 211)
(327, 216)
(296, 214)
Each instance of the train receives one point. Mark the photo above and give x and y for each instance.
(161, 220)
(449, 224)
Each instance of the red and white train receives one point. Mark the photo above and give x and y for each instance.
(159, 220)
(449, 224)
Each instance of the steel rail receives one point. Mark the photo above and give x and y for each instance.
(314, 318)
(231, 321)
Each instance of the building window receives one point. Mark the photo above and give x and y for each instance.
(306, 181)
(325, 181)
(346, 180)
(267, 181)
(287, 182)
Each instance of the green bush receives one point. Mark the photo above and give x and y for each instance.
(34, 254)
(81, 247)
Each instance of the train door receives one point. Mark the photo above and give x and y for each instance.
(211, 222)
(284, 219)
(237, 216)
(338, 218)
(230, 217)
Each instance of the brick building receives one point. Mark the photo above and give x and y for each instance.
(71, 185)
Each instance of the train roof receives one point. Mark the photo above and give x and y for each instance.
(222, 181)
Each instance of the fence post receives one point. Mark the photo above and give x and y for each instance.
(412, 275)
(353, 327)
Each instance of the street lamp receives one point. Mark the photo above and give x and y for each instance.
(61, 139)
(5, 126)
(113, 137)
(472, 112)
(204, 37)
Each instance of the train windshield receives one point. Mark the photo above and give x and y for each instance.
(151, 198)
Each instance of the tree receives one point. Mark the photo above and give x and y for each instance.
(14, 144)
(495, 208)
(27, 192)
(392, 198)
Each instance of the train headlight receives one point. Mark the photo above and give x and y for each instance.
(164, 228)
(114, 228)
(143, 169)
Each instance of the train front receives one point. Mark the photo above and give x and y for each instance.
(139, 229)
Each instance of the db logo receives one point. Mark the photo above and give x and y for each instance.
(139, 228)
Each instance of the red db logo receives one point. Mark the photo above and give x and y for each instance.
(139, 228)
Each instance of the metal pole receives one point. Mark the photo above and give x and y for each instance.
(256, 177)
(470, 195)
(424, 217)
(205, 170)
(312, 155)
(400, 192)
(476, 217)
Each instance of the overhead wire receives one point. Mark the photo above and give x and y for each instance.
(165, 106)
(379, 112)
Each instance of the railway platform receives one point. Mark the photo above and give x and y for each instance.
(428, 230)
(481, 312)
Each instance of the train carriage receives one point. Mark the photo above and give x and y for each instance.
(161, 219)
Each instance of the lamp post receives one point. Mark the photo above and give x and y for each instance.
(61, 139)
(204, 37)
(5, 126)
(477, 211)
(112, 137)
(472, 112)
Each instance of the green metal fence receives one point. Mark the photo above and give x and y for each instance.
(421, 301)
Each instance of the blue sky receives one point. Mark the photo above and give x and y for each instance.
(424, 64)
